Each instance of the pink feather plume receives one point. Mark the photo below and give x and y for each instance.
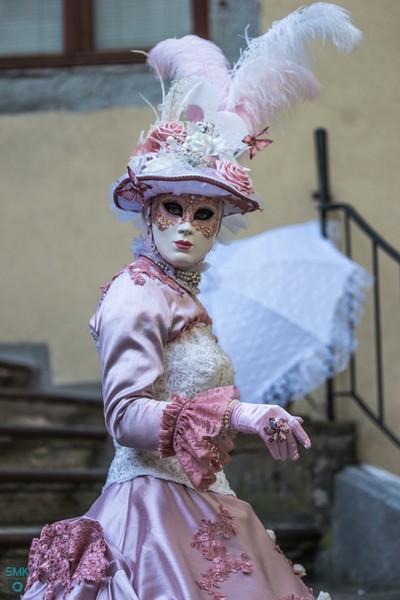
(279, 85)
(274, 71)
(192, 56)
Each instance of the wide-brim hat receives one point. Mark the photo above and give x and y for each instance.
(195, 153)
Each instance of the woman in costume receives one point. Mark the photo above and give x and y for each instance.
(167, 525)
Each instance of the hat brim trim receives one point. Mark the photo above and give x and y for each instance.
(238, 201)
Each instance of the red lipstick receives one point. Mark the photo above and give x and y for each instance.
(183, 245)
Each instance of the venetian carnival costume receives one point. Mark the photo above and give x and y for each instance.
(167, 525)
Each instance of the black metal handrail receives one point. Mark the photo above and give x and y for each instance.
(378, 243)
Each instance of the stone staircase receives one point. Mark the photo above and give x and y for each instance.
(55, 453)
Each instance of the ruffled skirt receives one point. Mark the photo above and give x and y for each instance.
(150, 539)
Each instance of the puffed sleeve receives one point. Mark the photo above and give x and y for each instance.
(132, 324)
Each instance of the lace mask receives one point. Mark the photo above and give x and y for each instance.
(202, 212)
(184, 227)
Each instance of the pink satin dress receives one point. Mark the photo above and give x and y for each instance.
(152, 534)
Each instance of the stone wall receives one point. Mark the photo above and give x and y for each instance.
(366, 527)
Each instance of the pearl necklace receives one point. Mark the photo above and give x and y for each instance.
(189, 280)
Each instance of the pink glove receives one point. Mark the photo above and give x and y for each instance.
(276, 427)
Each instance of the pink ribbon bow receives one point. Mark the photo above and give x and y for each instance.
(139, 187)
(257, 143)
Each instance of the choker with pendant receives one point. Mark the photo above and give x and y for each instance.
(189, 280)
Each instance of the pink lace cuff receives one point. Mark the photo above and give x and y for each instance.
(192, 430)
(67, 552)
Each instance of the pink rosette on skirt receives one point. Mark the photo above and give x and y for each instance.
(71, 560)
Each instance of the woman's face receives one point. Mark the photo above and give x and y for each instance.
(184, 227)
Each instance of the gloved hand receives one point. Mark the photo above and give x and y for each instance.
(276, 427)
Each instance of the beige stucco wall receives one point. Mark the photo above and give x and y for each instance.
(59, 243)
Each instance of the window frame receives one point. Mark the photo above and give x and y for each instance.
(78, 40)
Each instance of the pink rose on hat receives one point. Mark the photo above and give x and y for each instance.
(235, 174)
(158, 137)
(160, 134)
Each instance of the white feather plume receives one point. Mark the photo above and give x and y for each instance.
(274, 71)
(192, 56)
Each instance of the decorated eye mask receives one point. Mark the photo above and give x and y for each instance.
(202, 212)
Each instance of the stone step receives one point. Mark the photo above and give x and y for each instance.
(31, 356)
(18, 537)
(16, 373)
(48, 407)
(53, 446)
(299, 537)
(64, 431)
(52, 475)
(31, 496)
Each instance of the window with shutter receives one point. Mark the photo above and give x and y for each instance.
(51, 33)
